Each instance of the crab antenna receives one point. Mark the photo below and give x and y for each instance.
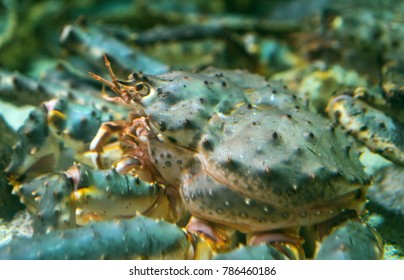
(114, 85)
(111, 73)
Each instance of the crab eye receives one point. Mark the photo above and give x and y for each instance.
(142, 89)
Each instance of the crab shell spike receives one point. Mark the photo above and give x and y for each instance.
(36, 150)
(55, 210)
(31, 192)
(140, 238)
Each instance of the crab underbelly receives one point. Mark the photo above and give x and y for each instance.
(213, 201)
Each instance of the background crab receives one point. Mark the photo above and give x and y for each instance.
(60, 132)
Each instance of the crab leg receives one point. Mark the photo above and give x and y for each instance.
(104, 134)
(37, 149)
(82, 193)
(222, 239)
(57, 121)
(352, 240)
(55, 209)
(137, 238)
(48, 198)
(257, 252)
(79, 38)
(379, 133)
(107, 194)
(133, 159)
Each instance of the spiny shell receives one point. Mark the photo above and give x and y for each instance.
(272, 169)
(247, 141)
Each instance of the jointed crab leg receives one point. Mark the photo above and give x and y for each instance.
(144, 238)
(55, 209)
(105, 132)
(138, 238)
(106, 194)
(351, 240)
(258, 252)
(29, 153)
(370, 126)
(88, 194)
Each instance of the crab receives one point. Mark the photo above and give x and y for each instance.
(227, 147)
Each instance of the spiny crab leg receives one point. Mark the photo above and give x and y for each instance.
(138, 238)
